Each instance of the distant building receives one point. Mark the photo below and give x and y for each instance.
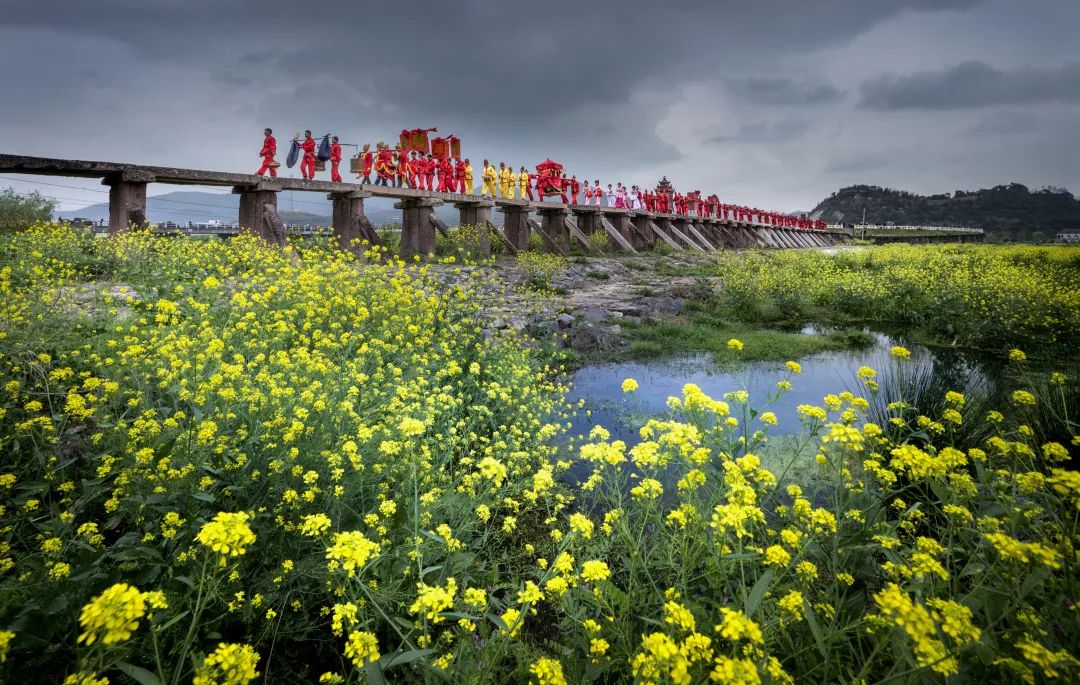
(1070, 237)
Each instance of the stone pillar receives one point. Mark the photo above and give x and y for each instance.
(127, 200)
(621, 222)
(553, 225)
(258, 211)
(351, 225)
(588, 221)
(516, 226)
(681, 224)
(478, 213)
(417, 229)
(644, 239)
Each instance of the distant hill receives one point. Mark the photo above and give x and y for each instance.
(1009, 211)
(187, 206)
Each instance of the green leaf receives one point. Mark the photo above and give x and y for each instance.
(204, 496)
(429, 569)
(402, 658)
(815, 630)
(374, 673)
(138, 673)
(758, 591)
(169, 624)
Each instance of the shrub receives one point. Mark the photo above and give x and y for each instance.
(541, 267)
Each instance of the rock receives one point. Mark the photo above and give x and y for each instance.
(615, 315)
(589, 337)
(665, 304)
(632, 310)
(635, 320)
(616, 329)
(565, 321)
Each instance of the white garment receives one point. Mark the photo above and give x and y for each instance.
(610, 195)
(635, 202)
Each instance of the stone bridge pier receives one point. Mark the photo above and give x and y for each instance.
(553, 229)
(127, 199)
(258, 210)
(351, 225)
(516, 226)
(417, 228)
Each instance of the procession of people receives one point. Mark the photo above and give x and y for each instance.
(398, 167)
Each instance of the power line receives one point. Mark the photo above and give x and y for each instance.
(151, 198)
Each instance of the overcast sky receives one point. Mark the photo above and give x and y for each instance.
(773, 103)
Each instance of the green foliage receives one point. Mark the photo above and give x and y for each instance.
(19, 210)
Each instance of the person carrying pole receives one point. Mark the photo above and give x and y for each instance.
(335, 160)
(307, 164)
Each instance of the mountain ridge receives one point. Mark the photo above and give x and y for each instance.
(1011, 211)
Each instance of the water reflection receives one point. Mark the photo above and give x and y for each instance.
(824, 373)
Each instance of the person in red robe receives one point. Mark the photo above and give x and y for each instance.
(575, 188)
(307, 164)
(459, 177)
(367, 162)
(429, 172)
(446, 175)
(384, 165)
(269, 149)
(335, 160)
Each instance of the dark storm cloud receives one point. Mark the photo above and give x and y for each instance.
(973, 84)
(503, 63)
(763, 132)
(784, 91)
(627, 90)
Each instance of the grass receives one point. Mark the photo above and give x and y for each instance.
(701, 330)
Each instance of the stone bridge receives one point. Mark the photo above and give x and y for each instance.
(559, 225)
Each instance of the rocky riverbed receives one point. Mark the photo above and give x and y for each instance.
(585, 306)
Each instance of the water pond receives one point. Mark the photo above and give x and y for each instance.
(828, 372)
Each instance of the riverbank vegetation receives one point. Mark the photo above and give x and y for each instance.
(227, 461)
(988, 297)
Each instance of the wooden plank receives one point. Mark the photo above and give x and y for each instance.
(581, 237)
(664, 236)
(616, 236)
(548, 239)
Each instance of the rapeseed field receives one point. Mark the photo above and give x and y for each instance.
(989, 297)
(225, 462)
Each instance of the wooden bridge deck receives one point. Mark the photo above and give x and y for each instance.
(258, 210)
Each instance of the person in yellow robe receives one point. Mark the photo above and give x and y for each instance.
(506, 181)
(469, 187)
(488, 180)
(523, 184)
